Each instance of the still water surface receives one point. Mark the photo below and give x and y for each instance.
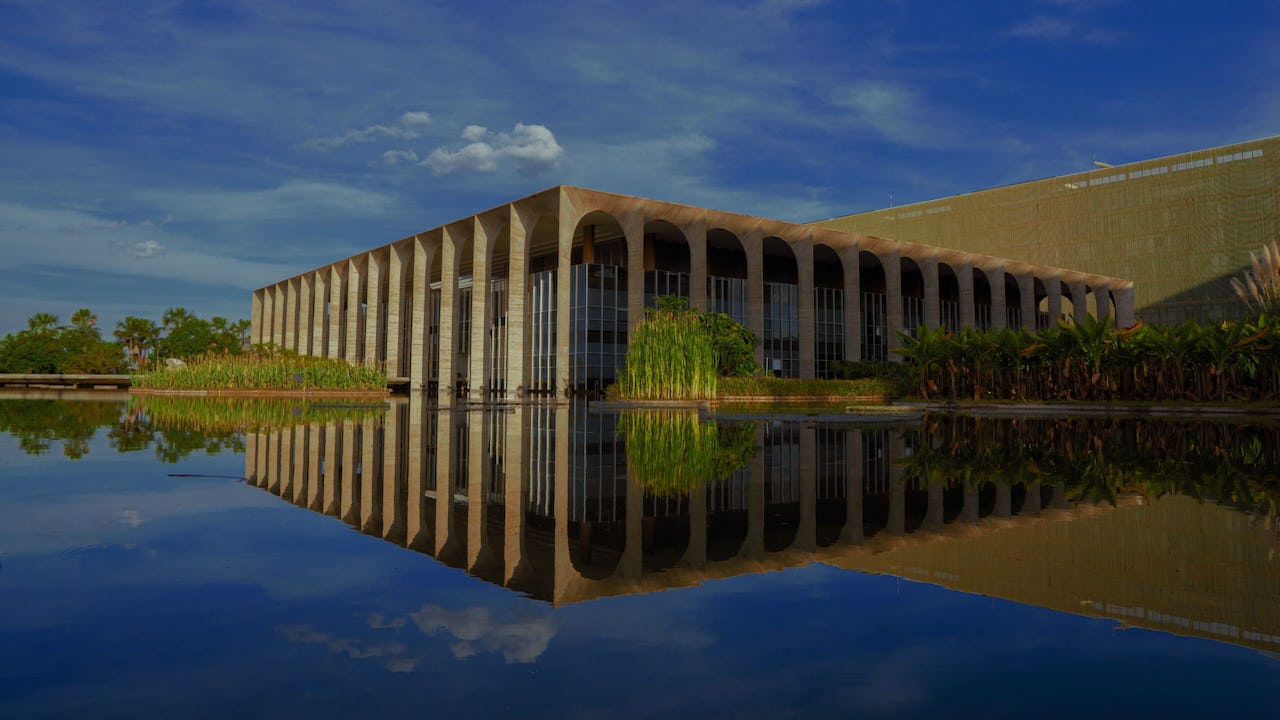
(557, 562)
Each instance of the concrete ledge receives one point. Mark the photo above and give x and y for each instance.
(61, 380)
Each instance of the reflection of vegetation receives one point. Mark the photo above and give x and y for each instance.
(204, 414)
(265, 368)
(37, 423)
(1097, 459)
(671, 452)
(174, 426)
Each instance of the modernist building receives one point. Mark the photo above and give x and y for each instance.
(540, 295)
(1180, 227)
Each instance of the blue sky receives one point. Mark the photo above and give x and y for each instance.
(155, 154)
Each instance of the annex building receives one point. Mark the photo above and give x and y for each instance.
(1180, 227)
(539, 296)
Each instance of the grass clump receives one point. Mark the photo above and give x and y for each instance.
(670, 357)
(264, 370)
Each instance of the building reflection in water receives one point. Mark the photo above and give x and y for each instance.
(1102, 518)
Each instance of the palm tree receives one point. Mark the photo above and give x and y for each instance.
(84, 319)
(42, 321)
(136, 334)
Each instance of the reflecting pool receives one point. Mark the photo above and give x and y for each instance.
(191, 558)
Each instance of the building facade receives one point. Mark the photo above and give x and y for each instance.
(1180, 227)
(540, 295)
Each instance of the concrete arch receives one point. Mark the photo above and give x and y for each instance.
(873, 280)
(780, 340)
(829, 297)
(1012, 302)
(726, 265)
(913, 295)
(667, 261)
(983, 299)
(948, 297)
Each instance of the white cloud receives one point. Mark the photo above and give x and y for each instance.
(141, 249)
(392, 654)
(893, 111)
(291, 199)
(395, 157)
(1045, 27)
(533, 148)
(405, 129)
(34, 237)
(520, 641)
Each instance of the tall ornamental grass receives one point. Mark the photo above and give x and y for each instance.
(264, 372)
(670, 357)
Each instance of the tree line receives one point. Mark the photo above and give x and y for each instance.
(46, 346)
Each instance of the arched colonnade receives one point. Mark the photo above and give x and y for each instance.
(812, 295)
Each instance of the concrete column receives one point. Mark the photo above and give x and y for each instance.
(1031, 502)
(893, 300)
(753, 246)
(423, 256)
(805, 309)
(306, 308)
(852, 532)
(897, 523)
(964, 277)
(517, 303)
(852, 303)
(932, 293)
(753, 545)
(633, 228)
(355, 298)
(1027, 296)
(480, 350)
(1103, 295)
(564, 300)
(337, 295)
(299, 496)
(933, 514)
(291, 315)
(255, 318)
(332, 463)
(517, 457)
(446, 450)
(1004, 500)
(374, 277)
(348, 501)
(319, 323)
(264, 459)
(697, 239)
(1125, 313)
(476, 503)
(1054, 291)
(397, 265)
(995, 276)
(564, 571)
(449, 245)
(415, 526)
(1079, 301)
(278, 309)
(393, 510)
(285, 485)
(251, 458)
(631, 564)
(370, 480)
(807, 530)
(315, 481)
